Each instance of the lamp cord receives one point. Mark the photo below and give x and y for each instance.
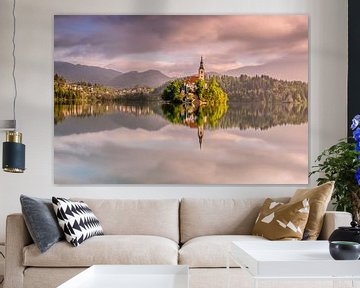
(14, 60)
(2, 280)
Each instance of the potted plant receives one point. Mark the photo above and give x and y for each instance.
(341, 163)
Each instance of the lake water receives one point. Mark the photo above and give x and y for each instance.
(156, 143)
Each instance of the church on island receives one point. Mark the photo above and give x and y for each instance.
(189, 85)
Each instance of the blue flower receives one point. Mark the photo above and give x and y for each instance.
(355, 122)
(357, 176)
(355, 126)
(356, 134)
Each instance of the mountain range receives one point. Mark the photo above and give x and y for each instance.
(78, 73)
(149, 78)
(109, 77)
(284, 69)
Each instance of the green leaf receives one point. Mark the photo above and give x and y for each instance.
(339, 163)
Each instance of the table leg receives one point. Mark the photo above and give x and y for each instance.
(228, 270)
(337, 283)
(255, 283)
(355, 283)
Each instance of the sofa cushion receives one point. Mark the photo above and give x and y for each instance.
(158, 217)
(201, 217)
(35, 277)
(41, 221)
(279, 221)
(107, 249)
(319, 198)
(211, 251)
(76, 220)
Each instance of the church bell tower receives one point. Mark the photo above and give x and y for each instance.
(201, 70)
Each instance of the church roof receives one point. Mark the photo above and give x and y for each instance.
(192, 79)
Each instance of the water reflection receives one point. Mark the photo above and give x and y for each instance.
(195, 116)
(257, 115)
(158, 143)
(171, 155)
(63, 111)
(263, 115)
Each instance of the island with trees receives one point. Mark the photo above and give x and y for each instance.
(201, 101)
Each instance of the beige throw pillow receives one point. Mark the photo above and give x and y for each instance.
(319, 198)
(279, 221)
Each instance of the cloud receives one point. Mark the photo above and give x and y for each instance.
(227, 42)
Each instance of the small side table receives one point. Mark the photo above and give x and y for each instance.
(134, 276)
(289, 261)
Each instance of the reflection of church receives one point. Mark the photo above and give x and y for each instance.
(190, 122)
(201, 132)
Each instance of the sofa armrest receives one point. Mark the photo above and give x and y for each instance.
(333, 220)
(17, 237)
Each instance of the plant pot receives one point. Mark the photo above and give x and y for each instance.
(343, 250)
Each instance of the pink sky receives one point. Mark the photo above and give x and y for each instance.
(174, 44)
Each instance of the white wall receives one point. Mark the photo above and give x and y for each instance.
(328, 68)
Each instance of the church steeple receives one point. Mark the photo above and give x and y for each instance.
(202, 63)
(201, 69)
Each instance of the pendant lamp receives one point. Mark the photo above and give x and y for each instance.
(13, 160)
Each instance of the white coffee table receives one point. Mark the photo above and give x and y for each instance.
(296, 260)
(131, 276)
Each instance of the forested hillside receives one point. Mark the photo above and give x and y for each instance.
(262, 88)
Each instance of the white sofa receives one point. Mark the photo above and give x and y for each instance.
(194, 232)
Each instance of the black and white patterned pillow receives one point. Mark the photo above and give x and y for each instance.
(77, 220)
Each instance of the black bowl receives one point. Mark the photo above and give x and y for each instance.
(344, 250)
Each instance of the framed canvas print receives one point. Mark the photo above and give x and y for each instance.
(181, 99)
